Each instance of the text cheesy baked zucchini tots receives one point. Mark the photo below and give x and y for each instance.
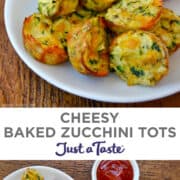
(168, 29)
(88, 48)
(40, 42)
(56, 8)
(139, 58)
(133, 15)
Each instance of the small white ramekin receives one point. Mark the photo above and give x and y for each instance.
(134, 165)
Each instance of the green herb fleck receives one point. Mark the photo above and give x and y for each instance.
(140, 52)
(176, 21)
(78, 14)
(27, 176)
(93, 61)
(120, 69)
(137, 72)
(40, 7)
(52, 31)
(173, 45)
(45, 42)
(111, 56)
(156, 47)
(38, 18)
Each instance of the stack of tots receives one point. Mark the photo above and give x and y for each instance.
(131, 37)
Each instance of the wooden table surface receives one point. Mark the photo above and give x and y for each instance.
(19, 86)
(81, 170)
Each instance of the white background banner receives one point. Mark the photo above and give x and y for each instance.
(89, 134)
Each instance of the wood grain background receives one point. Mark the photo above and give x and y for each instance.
(81, 170)
(19, 86)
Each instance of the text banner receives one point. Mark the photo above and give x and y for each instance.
(89, 133)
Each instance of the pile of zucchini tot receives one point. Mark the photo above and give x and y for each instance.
(132, 38)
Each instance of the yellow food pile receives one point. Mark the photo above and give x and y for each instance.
(131, 38)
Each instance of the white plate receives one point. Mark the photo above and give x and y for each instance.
(134, 165)
(47, 172)
(109, 89)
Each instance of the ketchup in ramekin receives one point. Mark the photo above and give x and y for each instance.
(115, 170)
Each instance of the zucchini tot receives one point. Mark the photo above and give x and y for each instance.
(81, 15)
(139, 57)
(168, 29)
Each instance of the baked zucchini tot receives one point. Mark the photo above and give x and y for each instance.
(133, 15)
(97, 5)
(31, 174)
(52, 8)
(139, 58)
(168, 29)
(40, 42)
(88, 48)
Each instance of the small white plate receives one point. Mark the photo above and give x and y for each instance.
(47, 172)
(109, 89)
(134, 165)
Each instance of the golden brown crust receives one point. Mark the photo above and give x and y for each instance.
(40, 42)
(133, 15)
(139, 57)
(87, 48)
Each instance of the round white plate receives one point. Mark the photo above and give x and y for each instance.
(47, 172)
(134, 165)
(109, 89)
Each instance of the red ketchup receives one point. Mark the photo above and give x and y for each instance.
(115, 170)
